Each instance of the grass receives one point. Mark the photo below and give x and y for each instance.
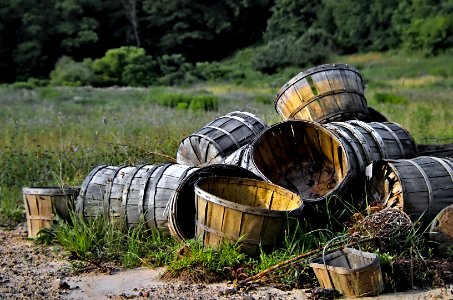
(56, 136)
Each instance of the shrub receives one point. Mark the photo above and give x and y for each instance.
(174, 69)
(312, 47)
(126, 66)
(389, 98)
(188, 101)
(68, 72)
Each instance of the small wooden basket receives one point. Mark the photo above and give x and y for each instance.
(351, 272)
(44, 204)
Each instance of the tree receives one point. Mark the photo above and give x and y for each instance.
(202, 30)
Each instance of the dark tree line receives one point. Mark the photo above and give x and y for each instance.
(34, 34)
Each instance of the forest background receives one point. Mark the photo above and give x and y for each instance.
(156, 42)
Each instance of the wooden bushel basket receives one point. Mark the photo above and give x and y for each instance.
(302, 157)
(351, 272)
(131, 195)
(326, 93)
(44, 204)
(219, 138)
(182, 210)
(251, 212)
(421, 187)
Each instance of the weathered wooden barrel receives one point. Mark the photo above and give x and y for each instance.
(242, 158)
(44, 204)
(421, 187)
(182, 211)
(132, 194)
(219, 138)
(441, 230)
(251, 212)
(101, 193)
(302, 157)
(437, 150)
(373, 141)
(326, 93)
(157, 192)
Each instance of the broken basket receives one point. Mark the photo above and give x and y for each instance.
(351, 272)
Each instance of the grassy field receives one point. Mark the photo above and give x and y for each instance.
(55, 136)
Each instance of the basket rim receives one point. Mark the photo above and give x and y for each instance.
(188, 183)
(342, 183)
(247, 208)
(340, 270)
(311, 71)
(51, 190)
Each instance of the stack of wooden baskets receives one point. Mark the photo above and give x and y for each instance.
(240, 180)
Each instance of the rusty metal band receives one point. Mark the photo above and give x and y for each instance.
(375, 135)
(227, 133)
(428, 185)
(360, 137)
(233, 238)
(80, 207)
(108, 191)
(319, 96)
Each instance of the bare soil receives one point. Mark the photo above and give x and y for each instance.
(28, 271)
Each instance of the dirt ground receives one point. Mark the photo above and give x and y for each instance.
(28, 271)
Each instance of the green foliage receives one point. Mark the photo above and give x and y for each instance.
(125, 66)
(174, 69)
(186, 101)
(67, 72)
(425, 25)
(11, 211)
(98, 241)
(389, 98)
(196, 256)
(311, 48)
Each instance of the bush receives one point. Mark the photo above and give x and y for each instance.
(312, 47)
(68, 72)
(174, 69)
(126, 66)
(187, 101)
(389, 98)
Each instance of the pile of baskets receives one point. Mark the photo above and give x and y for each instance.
(239, 179)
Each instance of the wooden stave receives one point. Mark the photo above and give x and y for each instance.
(157, 197)
(186, 192)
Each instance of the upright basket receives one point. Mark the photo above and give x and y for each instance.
(44, 204)
(351, 272)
